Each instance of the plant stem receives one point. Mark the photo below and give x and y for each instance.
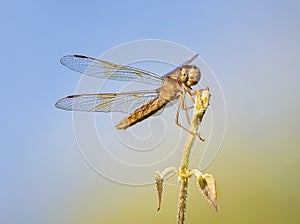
(201, 104)
(182, 200)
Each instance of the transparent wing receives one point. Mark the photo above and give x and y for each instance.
(103, 69)
(107, 102)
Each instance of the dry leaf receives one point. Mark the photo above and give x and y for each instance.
(159, 187)
(207, 186)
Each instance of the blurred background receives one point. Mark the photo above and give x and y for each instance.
(252, 47)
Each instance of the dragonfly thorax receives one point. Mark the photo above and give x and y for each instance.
(189, 75)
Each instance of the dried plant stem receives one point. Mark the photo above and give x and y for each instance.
(182, 200)
(201, 104)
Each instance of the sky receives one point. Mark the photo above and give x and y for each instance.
(251, 46)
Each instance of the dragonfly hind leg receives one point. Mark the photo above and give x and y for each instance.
(180, 125)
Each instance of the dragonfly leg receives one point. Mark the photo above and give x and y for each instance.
(179, 125)
(184, 107)
(192, 92)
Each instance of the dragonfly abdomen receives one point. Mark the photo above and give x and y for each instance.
(143, 112)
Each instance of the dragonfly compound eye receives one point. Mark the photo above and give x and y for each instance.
(194, 76)
(183, 75)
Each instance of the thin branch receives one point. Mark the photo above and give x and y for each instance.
(201, 104)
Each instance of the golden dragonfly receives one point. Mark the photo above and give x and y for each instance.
(140, 105)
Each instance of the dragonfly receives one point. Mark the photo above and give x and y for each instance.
(139, 105)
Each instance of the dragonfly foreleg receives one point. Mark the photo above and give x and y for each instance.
(191, 93)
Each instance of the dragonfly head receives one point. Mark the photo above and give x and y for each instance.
(190, 75)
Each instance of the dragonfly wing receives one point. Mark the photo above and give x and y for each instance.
(103, 69)
(108, 102)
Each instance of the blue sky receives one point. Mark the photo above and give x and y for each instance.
(252, 46)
